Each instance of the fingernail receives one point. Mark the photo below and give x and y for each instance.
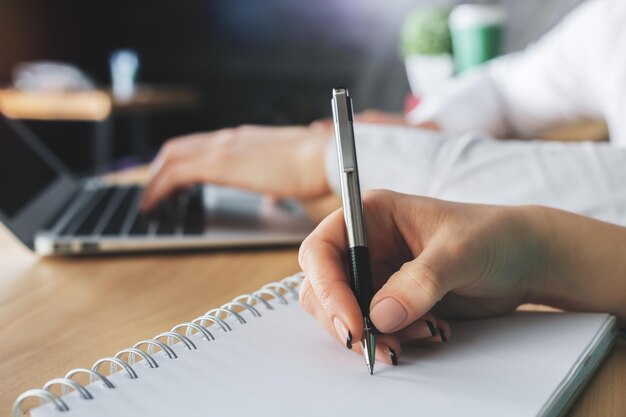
(443, 335)
(431, 327)
(388, 314)
(393, 356)
(343, 332)
(386, 354)
(420, 329)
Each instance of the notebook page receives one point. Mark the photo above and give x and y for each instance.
(284, 364)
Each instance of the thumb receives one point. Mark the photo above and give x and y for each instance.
(408, 294)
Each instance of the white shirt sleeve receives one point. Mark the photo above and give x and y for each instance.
(397, 158)
(583, 177)
(522, 94)
(576, 71)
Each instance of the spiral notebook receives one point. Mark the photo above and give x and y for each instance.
(263, 355)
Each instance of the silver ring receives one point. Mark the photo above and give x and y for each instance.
(284, 287)
(129, 370)
(203, 319)
(42, 395)
(249, 298)
(152, 343)
(65, 382)
(247, 306)
(216, 311)
(92, 377)
(274, 294)
(183, 339)
(131, 357)
(190, 326)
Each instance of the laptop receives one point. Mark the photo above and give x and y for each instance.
(54, 213)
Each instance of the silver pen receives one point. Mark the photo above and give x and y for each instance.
(358, 253)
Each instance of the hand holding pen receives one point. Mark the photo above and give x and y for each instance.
(342, 301)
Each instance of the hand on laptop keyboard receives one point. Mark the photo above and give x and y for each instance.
(279, 161)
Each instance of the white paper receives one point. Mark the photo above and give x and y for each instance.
(284, 364)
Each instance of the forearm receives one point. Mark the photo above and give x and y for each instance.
(584, 267)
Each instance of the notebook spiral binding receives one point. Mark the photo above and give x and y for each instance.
(278, 291)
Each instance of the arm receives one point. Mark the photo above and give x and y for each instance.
(299, 155)
(278, 161)
(554, 81)
(239, 157)
(585, 268)
(462, 261)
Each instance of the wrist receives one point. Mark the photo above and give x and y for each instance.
(583, 266)
(537, 221)
(554, 281)
(313, 164)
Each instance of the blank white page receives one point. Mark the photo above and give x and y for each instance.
(284, 364)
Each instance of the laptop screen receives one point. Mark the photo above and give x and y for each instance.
(24, 173)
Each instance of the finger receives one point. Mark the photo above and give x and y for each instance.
(322, 258)
(423, 328)
(445, 332)
(175, 153)
(173, 175)
(443, 335)
(388, 349)
(310, 304)
(180, 147)
(409, 293)
(321, 125)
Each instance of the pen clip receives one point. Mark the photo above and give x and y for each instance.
(343, 116)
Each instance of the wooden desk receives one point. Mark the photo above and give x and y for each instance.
(99, 107)
(59, 314)
(91, 106)
(593, 130)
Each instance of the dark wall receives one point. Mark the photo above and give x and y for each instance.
(252, 61)
(270, 61)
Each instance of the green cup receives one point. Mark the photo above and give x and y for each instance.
(477, 32)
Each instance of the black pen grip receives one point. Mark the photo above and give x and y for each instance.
(361, 277)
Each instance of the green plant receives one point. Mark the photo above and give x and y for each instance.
(426, 32)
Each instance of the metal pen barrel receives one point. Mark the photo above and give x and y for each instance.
(350, 187)
(358, 253)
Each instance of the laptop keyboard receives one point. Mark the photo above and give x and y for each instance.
(114, 211)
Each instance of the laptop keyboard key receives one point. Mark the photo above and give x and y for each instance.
(167, 216)
(114, 226)
(141, 225)
(78, 218)
(194, 217)
(90, 222)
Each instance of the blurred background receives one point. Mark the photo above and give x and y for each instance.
(222, 63)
